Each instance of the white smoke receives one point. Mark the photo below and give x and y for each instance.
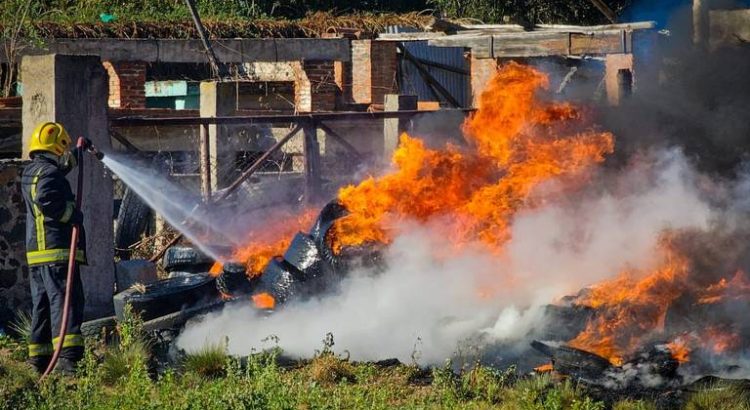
(428, 304)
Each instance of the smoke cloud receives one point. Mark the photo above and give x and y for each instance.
(425, 304)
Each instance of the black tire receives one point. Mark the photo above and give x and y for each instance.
(185, 258)
(177, 319)
(167, 296)
(132, 222)
(233, 280)
(99, 327)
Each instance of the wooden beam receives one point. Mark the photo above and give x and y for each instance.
(604, 8)
(539, 43)
(341, 140)
(312, 162)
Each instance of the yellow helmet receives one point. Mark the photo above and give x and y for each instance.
(50, 137)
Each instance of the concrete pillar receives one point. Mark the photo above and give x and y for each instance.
(394, 127)
(482, 70)
(700, 22)
(72, 90)
(619, 77)
(218, 99)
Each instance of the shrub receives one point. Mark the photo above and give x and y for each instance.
(327, 369)
(209, 361)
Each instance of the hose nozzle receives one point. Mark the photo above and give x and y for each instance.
(86, 144)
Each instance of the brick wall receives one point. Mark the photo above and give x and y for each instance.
(482, 69)
(373, 69)
(315, 86)
(127, 81)
(14, 274)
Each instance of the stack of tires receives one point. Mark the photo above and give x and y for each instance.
(188, 286)
(308, 267)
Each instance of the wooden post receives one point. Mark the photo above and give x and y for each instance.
(205, 163)
(312, 161)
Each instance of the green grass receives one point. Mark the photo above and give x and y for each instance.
(209, 361)
(117, 376)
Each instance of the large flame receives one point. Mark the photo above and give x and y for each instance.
(516, 142)
(631, 307)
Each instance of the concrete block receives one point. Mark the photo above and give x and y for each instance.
(134, 271)
(393, 127)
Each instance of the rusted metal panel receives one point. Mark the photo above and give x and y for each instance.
(456, 83)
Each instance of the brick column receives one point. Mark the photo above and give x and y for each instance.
(619, 76)
(315, 88)
(373, 70)
(482, 70)
(127, 81)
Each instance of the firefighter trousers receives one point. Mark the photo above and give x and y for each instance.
(48, 296)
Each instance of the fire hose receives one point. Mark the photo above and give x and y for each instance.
(82, 145)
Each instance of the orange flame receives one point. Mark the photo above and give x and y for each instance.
(271, 241)
(264, 301)
(545, 368)
(516, 143)
(630, 309)
(679, 350)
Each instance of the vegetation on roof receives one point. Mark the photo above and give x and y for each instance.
(274, 18)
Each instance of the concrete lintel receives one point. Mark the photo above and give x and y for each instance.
(191, 51)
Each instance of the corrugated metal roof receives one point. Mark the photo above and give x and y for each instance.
(412, 82)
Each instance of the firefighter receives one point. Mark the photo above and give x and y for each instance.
(51, 214)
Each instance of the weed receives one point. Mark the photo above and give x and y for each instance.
(21, 325)
(120, 362)
(485, 383)
(327, 369)
(634, 405)
(209, 361)
(719, 396)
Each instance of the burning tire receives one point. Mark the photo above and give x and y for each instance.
(233, 280)
(166, 296)
(186, 259)
(132, 222)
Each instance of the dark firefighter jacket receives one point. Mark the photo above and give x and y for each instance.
(50, 213)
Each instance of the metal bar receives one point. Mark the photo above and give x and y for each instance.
(605, 10)
(265, 119)
(257, 164)
(432, 82)
(124, 141)
(340, 140)
(205, 163)
(312, 162)
(236, 184)
(217, 70)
